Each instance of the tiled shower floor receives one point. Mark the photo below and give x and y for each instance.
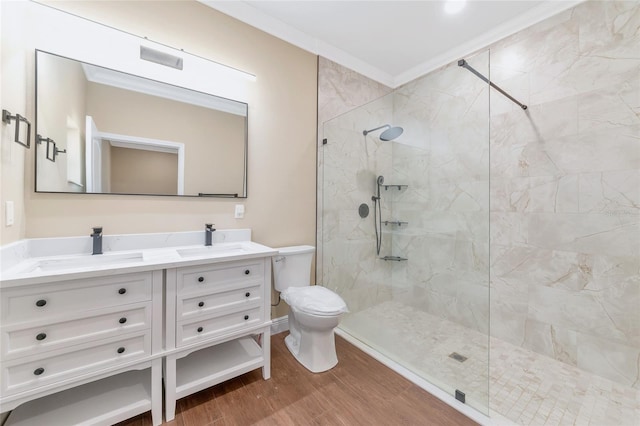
(524, 388)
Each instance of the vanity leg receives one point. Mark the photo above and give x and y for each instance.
(170, 388)
(156, 392)
(266, 352)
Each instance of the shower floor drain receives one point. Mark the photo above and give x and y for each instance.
(457, 357)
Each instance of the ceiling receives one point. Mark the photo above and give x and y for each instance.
(392, 42)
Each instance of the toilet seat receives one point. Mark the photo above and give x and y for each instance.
(314, 300)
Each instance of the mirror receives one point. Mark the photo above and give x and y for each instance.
(108, 132)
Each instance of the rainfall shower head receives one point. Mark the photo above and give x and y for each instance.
(388, 135)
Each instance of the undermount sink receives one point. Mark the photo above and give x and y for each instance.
(82, 261)
(223, 249)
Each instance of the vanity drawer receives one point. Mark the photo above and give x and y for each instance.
(19, 375)
(20, 341)
(201, 278)
(238, 295)
(193, 331)
(35, 303)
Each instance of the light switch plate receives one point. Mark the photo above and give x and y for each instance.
(9, 213)
(239, 213)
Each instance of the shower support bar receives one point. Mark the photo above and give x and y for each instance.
(463, 63)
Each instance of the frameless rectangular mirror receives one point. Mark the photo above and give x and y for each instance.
(118, 133)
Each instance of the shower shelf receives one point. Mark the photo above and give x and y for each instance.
(394, 222)
(400, 187)
(394, 258)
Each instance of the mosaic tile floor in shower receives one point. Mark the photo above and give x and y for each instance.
(520, 387)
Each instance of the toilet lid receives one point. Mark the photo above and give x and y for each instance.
(315, 300)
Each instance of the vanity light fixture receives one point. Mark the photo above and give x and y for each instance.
(161, 58)
(451, 7)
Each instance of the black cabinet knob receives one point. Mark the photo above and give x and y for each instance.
(246, 317)
(200, 329)
(247, 272)
(122, 320)
(120, 350)
(40, 303)
(247, 294)
(201, 304)
(122, 291)
(38, 371)
(41, 336)
(200, 279)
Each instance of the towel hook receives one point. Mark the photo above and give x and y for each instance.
(7, 117)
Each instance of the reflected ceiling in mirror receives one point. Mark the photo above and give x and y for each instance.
(125, 134)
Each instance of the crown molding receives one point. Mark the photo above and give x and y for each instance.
(252, 16)
(526, 20)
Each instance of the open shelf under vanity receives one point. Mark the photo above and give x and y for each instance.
(102, 402)
(216, 364)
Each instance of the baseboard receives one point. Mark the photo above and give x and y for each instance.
(278, 325)
(419, 381)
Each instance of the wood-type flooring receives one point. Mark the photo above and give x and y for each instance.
(358, 391)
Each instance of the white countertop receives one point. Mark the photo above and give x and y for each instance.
(42, 260)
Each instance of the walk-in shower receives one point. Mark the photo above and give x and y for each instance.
(545, 329)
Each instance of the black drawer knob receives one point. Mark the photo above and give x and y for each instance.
(201, 304)
(38, 371)
(200, 279)
(122, 291)
(200, 329)
(41, 336)
(122, 320)
(246, 317)
(40, 303)
(120, 350)
(247, 294)
(247, 272)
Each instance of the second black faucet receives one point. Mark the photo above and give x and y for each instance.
(208, 233)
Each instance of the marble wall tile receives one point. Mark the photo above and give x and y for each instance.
(553, 191)
(619, 362)
(557, 194)
(615, 193)
(593, 233)
(340, 90)
(610, 107)
(581, 311)
(550, 340)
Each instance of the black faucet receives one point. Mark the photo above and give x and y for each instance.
(208, 233)
(97, 240)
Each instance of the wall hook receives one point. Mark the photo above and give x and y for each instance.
(40, 139)
(57, 152)
(7, 117)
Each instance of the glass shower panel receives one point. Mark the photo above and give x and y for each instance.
(427, 305)
(351, 163)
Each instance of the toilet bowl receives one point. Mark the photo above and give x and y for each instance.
(314, 312)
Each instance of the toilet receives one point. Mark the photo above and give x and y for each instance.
(314, 310)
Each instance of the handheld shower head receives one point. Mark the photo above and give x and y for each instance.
(388, 135)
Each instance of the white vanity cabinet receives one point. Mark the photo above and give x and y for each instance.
(89, 340)
(219, 326)
(84, 343)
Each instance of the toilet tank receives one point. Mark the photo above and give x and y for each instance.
(292, 267)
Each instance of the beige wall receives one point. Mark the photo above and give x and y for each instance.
(14, 77)
(280, 208)
(135, 171)
(214, 140)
